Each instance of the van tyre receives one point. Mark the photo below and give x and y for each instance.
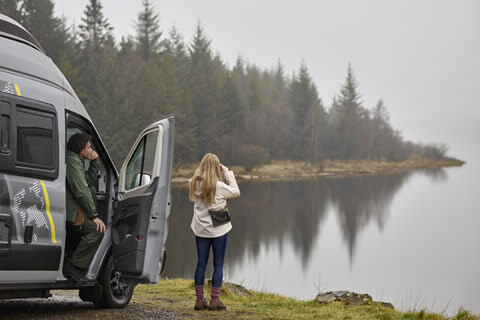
(117, 291)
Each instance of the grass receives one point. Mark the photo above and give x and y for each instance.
(178, 295)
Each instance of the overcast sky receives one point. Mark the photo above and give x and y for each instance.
(421, 57)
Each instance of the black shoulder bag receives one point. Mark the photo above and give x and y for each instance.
(220, 217)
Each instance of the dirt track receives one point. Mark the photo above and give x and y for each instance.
(67, 305)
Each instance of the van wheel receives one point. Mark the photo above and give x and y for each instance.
(117, 290)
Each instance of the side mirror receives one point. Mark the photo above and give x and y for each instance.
(146, 178)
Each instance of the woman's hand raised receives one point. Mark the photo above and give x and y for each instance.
(224, 169)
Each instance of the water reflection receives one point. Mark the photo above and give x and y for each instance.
(360, 201)
(438, 175)
(271, 213)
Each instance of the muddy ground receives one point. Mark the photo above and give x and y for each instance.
(67, 305)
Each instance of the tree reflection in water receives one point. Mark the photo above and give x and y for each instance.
(270, 213)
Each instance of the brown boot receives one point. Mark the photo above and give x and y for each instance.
(201, 305)
(217, 305)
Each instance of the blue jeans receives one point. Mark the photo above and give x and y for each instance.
(219, 245)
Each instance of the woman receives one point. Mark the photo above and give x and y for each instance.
(209, 192)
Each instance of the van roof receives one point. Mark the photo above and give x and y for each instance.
(25, 55)
(14, 30)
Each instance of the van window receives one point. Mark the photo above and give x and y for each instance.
(34, 137)
(28, 137)
(140, 166)
(135, 167)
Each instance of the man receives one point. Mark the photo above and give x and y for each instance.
(82, 216)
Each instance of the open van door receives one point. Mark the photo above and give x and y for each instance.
(139, 229)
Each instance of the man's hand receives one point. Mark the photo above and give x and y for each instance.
(92, 155)
(100, 225)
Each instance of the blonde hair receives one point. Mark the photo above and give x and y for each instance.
(205, 179)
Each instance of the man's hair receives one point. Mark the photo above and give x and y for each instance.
(78, 142)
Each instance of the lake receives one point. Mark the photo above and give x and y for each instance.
(411, 239)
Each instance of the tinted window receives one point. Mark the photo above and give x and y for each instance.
(140, 166)
(35, 138)
(150, 148)
(28, 137)
(135, 167)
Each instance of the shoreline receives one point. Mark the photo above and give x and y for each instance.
(178, 296)
(286, 170)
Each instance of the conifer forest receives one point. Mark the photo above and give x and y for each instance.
(238, 112)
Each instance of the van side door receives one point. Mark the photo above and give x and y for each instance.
(140, 219)
(31, 193)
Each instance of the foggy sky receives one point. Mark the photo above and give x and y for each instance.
(421, 57)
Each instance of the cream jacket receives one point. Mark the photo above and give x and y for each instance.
(202, 225)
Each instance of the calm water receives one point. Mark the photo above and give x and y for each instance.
(411, 239)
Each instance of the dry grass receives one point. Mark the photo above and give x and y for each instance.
(288, 170)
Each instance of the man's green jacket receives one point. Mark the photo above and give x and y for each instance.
(81, 186)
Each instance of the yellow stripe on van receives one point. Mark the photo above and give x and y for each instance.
(47, 202)
(17, 89)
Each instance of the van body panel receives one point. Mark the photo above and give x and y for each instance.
(28, 277)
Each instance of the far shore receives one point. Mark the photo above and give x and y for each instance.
(277, 170)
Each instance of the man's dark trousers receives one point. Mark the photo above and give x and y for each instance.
(88, 245)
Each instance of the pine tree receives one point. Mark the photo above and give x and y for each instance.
(95, 35)
(176, 48)
(11, 8)
(175, 66)
(349, 96)
(95, 29)
(256, 118)
(202, 91)
(280, 85)
(127, 45)
(307, 113)
(148, 35)
(382, 132)
(348, 121)
(232, 118)
(200, 51)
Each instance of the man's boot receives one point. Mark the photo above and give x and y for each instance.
(73, 272)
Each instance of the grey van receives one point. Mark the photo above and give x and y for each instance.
(39, 111)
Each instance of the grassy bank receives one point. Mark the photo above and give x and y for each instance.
(287, 170)
(178, 295)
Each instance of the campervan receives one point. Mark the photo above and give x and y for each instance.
(39, 111)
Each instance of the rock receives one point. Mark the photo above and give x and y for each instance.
(233, 288)
(350, 298)
(344, 296)
(237, 289)
(384, 304)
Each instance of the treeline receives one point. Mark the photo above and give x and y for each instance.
(245, 114)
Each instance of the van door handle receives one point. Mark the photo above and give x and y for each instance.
(7, 223)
